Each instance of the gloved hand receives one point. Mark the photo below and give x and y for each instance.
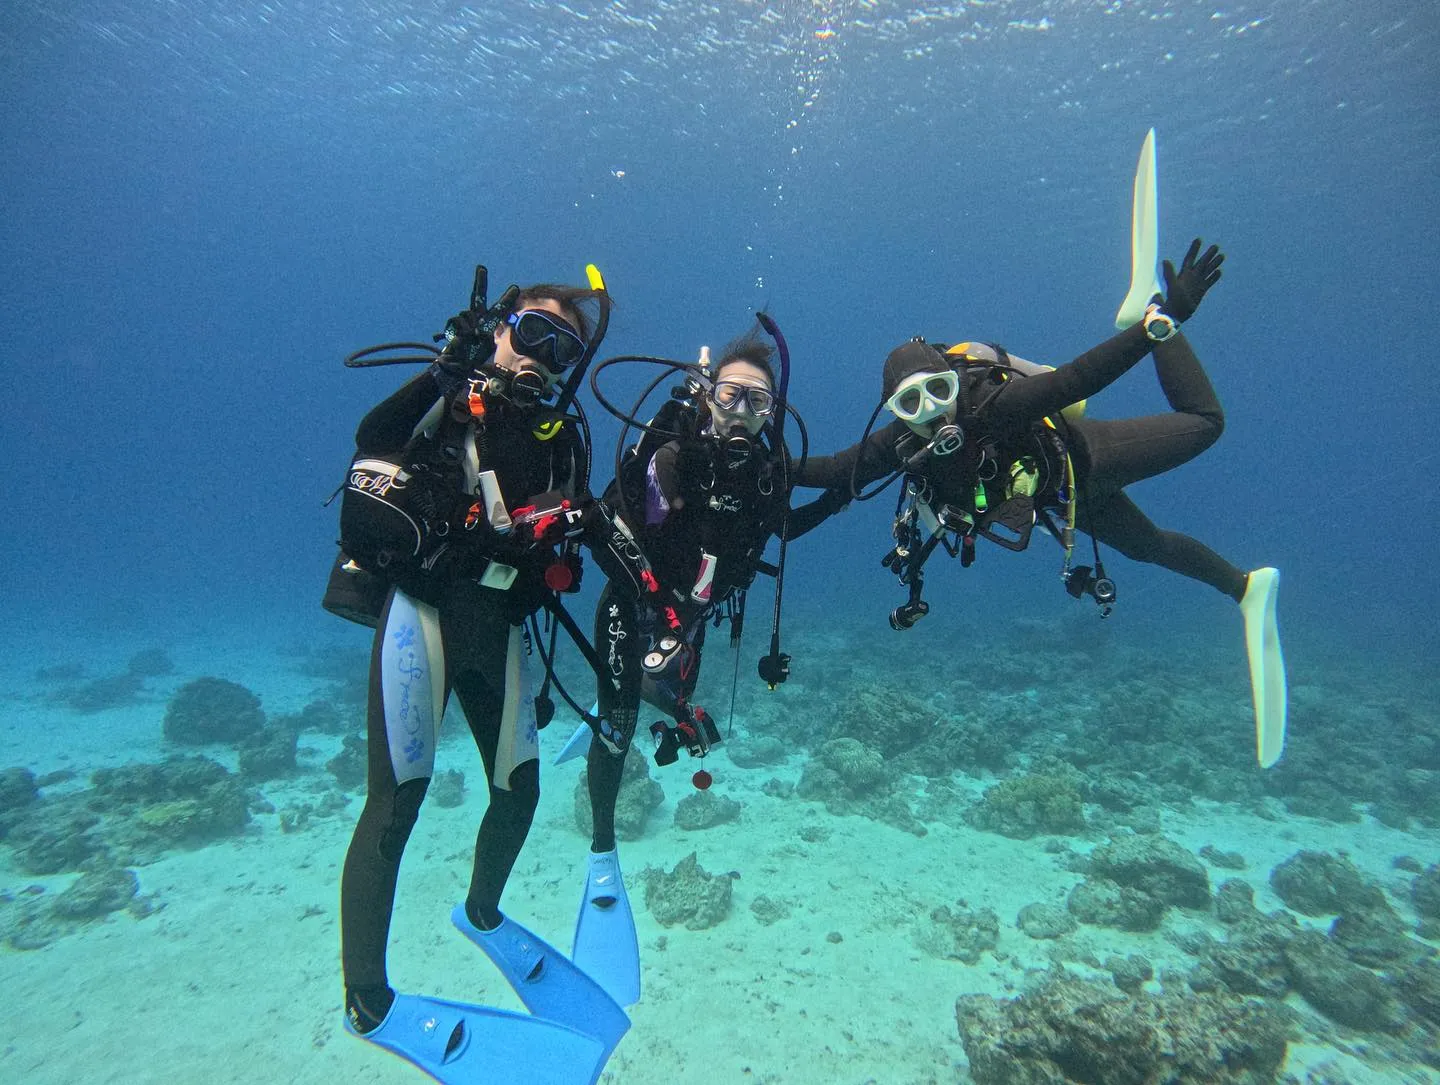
(469, 347)
(478, 543)
(695, 469)
(448, 375)
(616, 552)
(1184, 289)
(548, 518)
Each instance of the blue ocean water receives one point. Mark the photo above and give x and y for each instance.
(207, 205)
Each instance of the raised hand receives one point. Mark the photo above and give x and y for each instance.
(1185, 289)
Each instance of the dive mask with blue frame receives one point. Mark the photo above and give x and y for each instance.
(548, 339)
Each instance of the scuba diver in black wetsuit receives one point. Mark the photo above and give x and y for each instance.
(466, 505)
(989, 444)
(703, 492)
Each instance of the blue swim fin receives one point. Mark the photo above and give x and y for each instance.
(547, 981)
(489, 1046)
(606, 946)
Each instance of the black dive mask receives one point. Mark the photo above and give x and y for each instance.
(549, 339)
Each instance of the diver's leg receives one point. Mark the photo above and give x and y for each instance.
(605, 945)
(617, 639)
(481, 693)
(1118, 522)
(1127, 450)
(401, 726)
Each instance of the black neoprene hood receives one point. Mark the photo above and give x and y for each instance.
(907, 360)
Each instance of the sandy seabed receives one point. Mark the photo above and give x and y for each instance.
(236, 977)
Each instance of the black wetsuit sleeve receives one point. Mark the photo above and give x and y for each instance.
(388, 426)
(876, 457)
(1021, 402)
(806, 518)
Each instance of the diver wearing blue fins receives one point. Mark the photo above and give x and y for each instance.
(989, 446)
(462, 517)
(703, 490)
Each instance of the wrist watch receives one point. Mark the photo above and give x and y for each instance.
(1159, 325)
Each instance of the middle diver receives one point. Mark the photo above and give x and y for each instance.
(704, 490)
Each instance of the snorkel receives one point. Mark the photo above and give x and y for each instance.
(577, 373)
(775, 667)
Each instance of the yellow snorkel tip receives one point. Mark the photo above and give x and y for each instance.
(593, 276)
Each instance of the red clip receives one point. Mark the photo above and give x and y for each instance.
(671, 618)
(477, 405)
(542, 526)
(472, 516)
(648, 579)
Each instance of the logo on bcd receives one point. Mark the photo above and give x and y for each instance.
(376, 477)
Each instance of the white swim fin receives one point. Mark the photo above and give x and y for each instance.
(1267, 664)
(1144, 239)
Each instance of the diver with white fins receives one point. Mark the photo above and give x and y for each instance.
(463, 515)
(700, 494)
(990, 446)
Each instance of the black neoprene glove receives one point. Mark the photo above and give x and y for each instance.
(477, 544)
(694, 469)
(1198, 273)
(448, 378)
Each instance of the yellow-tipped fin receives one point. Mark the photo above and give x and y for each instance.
(1267, 664)
(1144, 239)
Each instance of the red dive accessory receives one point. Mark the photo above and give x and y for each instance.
(559, 576)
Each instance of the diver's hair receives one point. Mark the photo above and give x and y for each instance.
(751, 348)
(571, 299)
